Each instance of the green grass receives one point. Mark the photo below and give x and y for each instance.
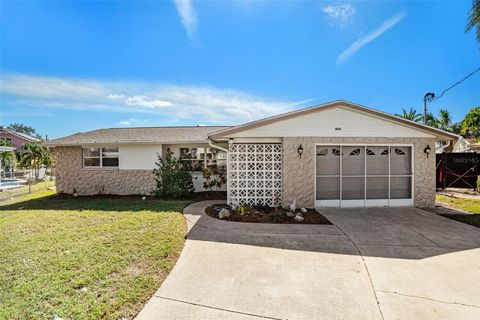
(469, 205)
(12, 193)
(86, 257)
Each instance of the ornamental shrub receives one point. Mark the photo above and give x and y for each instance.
(172, 177)
(214, 177)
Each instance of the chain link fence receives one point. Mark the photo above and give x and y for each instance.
(18, 183)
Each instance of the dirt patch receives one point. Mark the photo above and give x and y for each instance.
(268, 215)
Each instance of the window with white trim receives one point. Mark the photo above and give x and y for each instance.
(100, 157)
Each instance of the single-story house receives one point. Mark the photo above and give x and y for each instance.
(337, 154)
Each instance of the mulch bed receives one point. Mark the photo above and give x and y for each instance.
(268, 215)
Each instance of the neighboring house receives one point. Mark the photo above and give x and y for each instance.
(330, 155)
(16, 138)
(466, 145)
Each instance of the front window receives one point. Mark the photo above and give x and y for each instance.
(200, 158)
(100, 157)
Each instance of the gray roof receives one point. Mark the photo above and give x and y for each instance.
(19, 134)
(170, 135)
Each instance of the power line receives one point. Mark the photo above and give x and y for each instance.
(456, 83)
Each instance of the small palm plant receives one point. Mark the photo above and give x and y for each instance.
(7, 157)
(35, 156)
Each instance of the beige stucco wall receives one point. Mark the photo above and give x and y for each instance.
(298, 174)
(70, 175)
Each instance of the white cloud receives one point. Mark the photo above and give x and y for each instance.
(340, 14)
(188, 16)
(143, 101)
(126, 122)
(364, 40)
(132, 121)
(189, 104)
(115, 96)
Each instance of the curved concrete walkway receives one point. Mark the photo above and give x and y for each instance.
(232, 270)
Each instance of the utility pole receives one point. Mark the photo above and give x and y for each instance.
(428, 97)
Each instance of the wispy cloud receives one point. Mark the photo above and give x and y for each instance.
(190, 104)
(143, 101)
(188, 16)
(372, 35)
(132, 121)
(340, 15)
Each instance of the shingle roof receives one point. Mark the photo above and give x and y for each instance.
(19, 134)
(194, 134)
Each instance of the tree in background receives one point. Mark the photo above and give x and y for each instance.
(7, 157)
(411, 115)
(35, 156)
(21, 128)
(431, 120)
(473, 20)
(470, 125)
(445, 120)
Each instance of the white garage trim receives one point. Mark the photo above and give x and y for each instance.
(364, 202)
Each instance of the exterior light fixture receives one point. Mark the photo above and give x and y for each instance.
(427, 150)
(300, 151)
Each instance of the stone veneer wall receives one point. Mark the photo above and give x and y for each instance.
(298, 174)
(71, 175)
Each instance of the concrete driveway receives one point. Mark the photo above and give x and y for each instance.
(385, 263)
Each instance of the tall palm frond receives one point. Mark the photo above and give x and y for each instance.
(473, 20)
(445, 120)
(410, 115)
(431, 120)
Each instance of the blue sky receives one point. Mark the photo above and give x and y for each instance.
(74, 66)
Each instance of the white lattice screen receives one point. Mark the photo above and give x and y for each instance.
(255, 174)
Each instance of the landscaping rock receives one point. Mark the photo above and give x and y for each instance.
(290, 214)
(303, 210)
(224, 213)
(299, 218)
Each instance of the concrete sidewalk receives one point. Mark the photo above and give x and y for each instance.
(409, 269)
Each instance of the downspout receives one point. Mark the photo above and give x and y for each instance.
(210, 143)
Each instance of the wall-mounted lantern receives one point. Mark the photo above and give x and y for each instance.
(427, 150)
(300, 151)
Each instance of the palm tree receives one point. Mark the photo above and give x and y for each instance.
(431, 121)
(7, 157)
(34, 156)
(471, 123)
(445, 120)
(474, 19)
(410, 115)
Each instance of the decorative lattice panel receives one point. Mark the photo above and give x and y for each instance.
(255, 174)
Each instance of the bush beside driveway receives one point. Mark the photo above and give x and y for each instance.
(85, 258)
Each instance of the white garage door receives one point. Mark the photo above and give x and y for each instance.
(357, 176)
(255, 174)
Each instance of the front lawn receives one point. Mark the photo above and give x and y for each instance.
(469, 205)
(85, 258)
